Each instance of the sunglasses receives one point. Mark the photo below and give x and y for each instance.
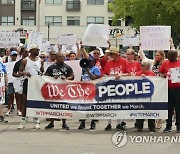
(42, 57)
(96, 53)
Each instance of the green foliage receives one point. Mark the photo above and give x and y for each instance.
(150, 12)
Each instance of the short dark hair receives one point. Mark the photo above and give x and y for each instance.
(172, 55)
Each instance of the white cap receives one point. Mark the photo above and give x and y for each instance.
(33, 46)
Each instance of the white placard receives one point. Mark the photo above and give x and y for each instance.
(65, 39)
(155, 37)
(131, 41)
(35, 38)
(9, 39)
(71, 48)
(175, 75)
(96, 35)
(9, 68)
(2, 88)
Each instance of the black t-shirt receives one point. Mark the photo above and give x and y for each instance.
(59, 70)
(17, 66)
(155, 68)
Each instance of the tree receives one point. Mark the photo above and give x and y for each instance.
(149, 12)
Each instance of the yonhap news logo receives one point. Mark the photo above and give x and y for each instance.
(120, 139)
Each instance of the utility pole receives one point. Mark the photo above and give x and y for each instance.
(38, 16)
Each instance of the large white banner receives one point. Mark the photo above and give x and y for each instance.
(155, 37)
(96, 35)
(107, 98)
(9, 39)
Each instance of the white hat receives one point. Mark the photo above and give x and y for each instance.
(146, 62)
(33, 46)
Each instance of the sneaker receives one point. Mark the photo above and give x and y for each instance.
(19, 113)
(119, 127)
(22, 125)
(7, 113)
(82, 125)
(37, 126)
(167, 130)
(108, 127)
(93, 125)
(49, 126)
(1, 118)
(65, 126)
(123, 124)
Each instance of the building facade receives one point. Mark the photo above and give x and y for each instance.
(54, 17)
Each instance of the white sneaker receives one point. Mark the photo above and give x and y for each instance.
(22, 125)
(8, 113)
(37, 126)
(19, 113)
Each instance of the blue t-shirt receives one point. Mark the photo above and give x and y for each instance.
(94, 70)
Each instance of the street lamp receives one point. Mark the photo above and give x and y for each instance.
(48, 29)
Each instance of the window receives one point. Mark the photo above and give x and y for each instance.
(73, 20)
(7, 1)
(53, 2)
(95, 20)
(7, 20)
(95, 2)
(118, 23)
(28, 4)
(73, 5)
(53, 20)
(28, 21)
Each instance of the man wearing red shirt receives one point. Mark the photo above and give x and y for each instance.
(173, 90)
(116, 66)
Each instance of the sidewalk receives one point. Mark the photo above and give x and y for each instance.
(73, 141)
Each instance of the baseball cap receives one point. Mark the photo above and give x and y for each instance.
(13, 53)
(33, 46)
(113, 49)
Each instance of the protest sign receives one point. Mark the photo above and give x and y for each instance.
(96, 35)
(2, 88)
(131, 41)
(9, 39)
(9, 68)
(175, 75)
(34, 38)
(107, 98)
(155, 37)
(69, 48)
(65, 39)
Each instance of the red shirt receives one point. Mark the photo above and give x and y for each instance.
(147, 73)
(113, 67)
(133, 67)
(165, 69)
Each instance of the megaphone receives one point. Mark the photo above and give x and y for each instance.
(84, 63)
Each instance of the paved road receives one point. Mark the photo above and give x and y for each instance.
(58, 141)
